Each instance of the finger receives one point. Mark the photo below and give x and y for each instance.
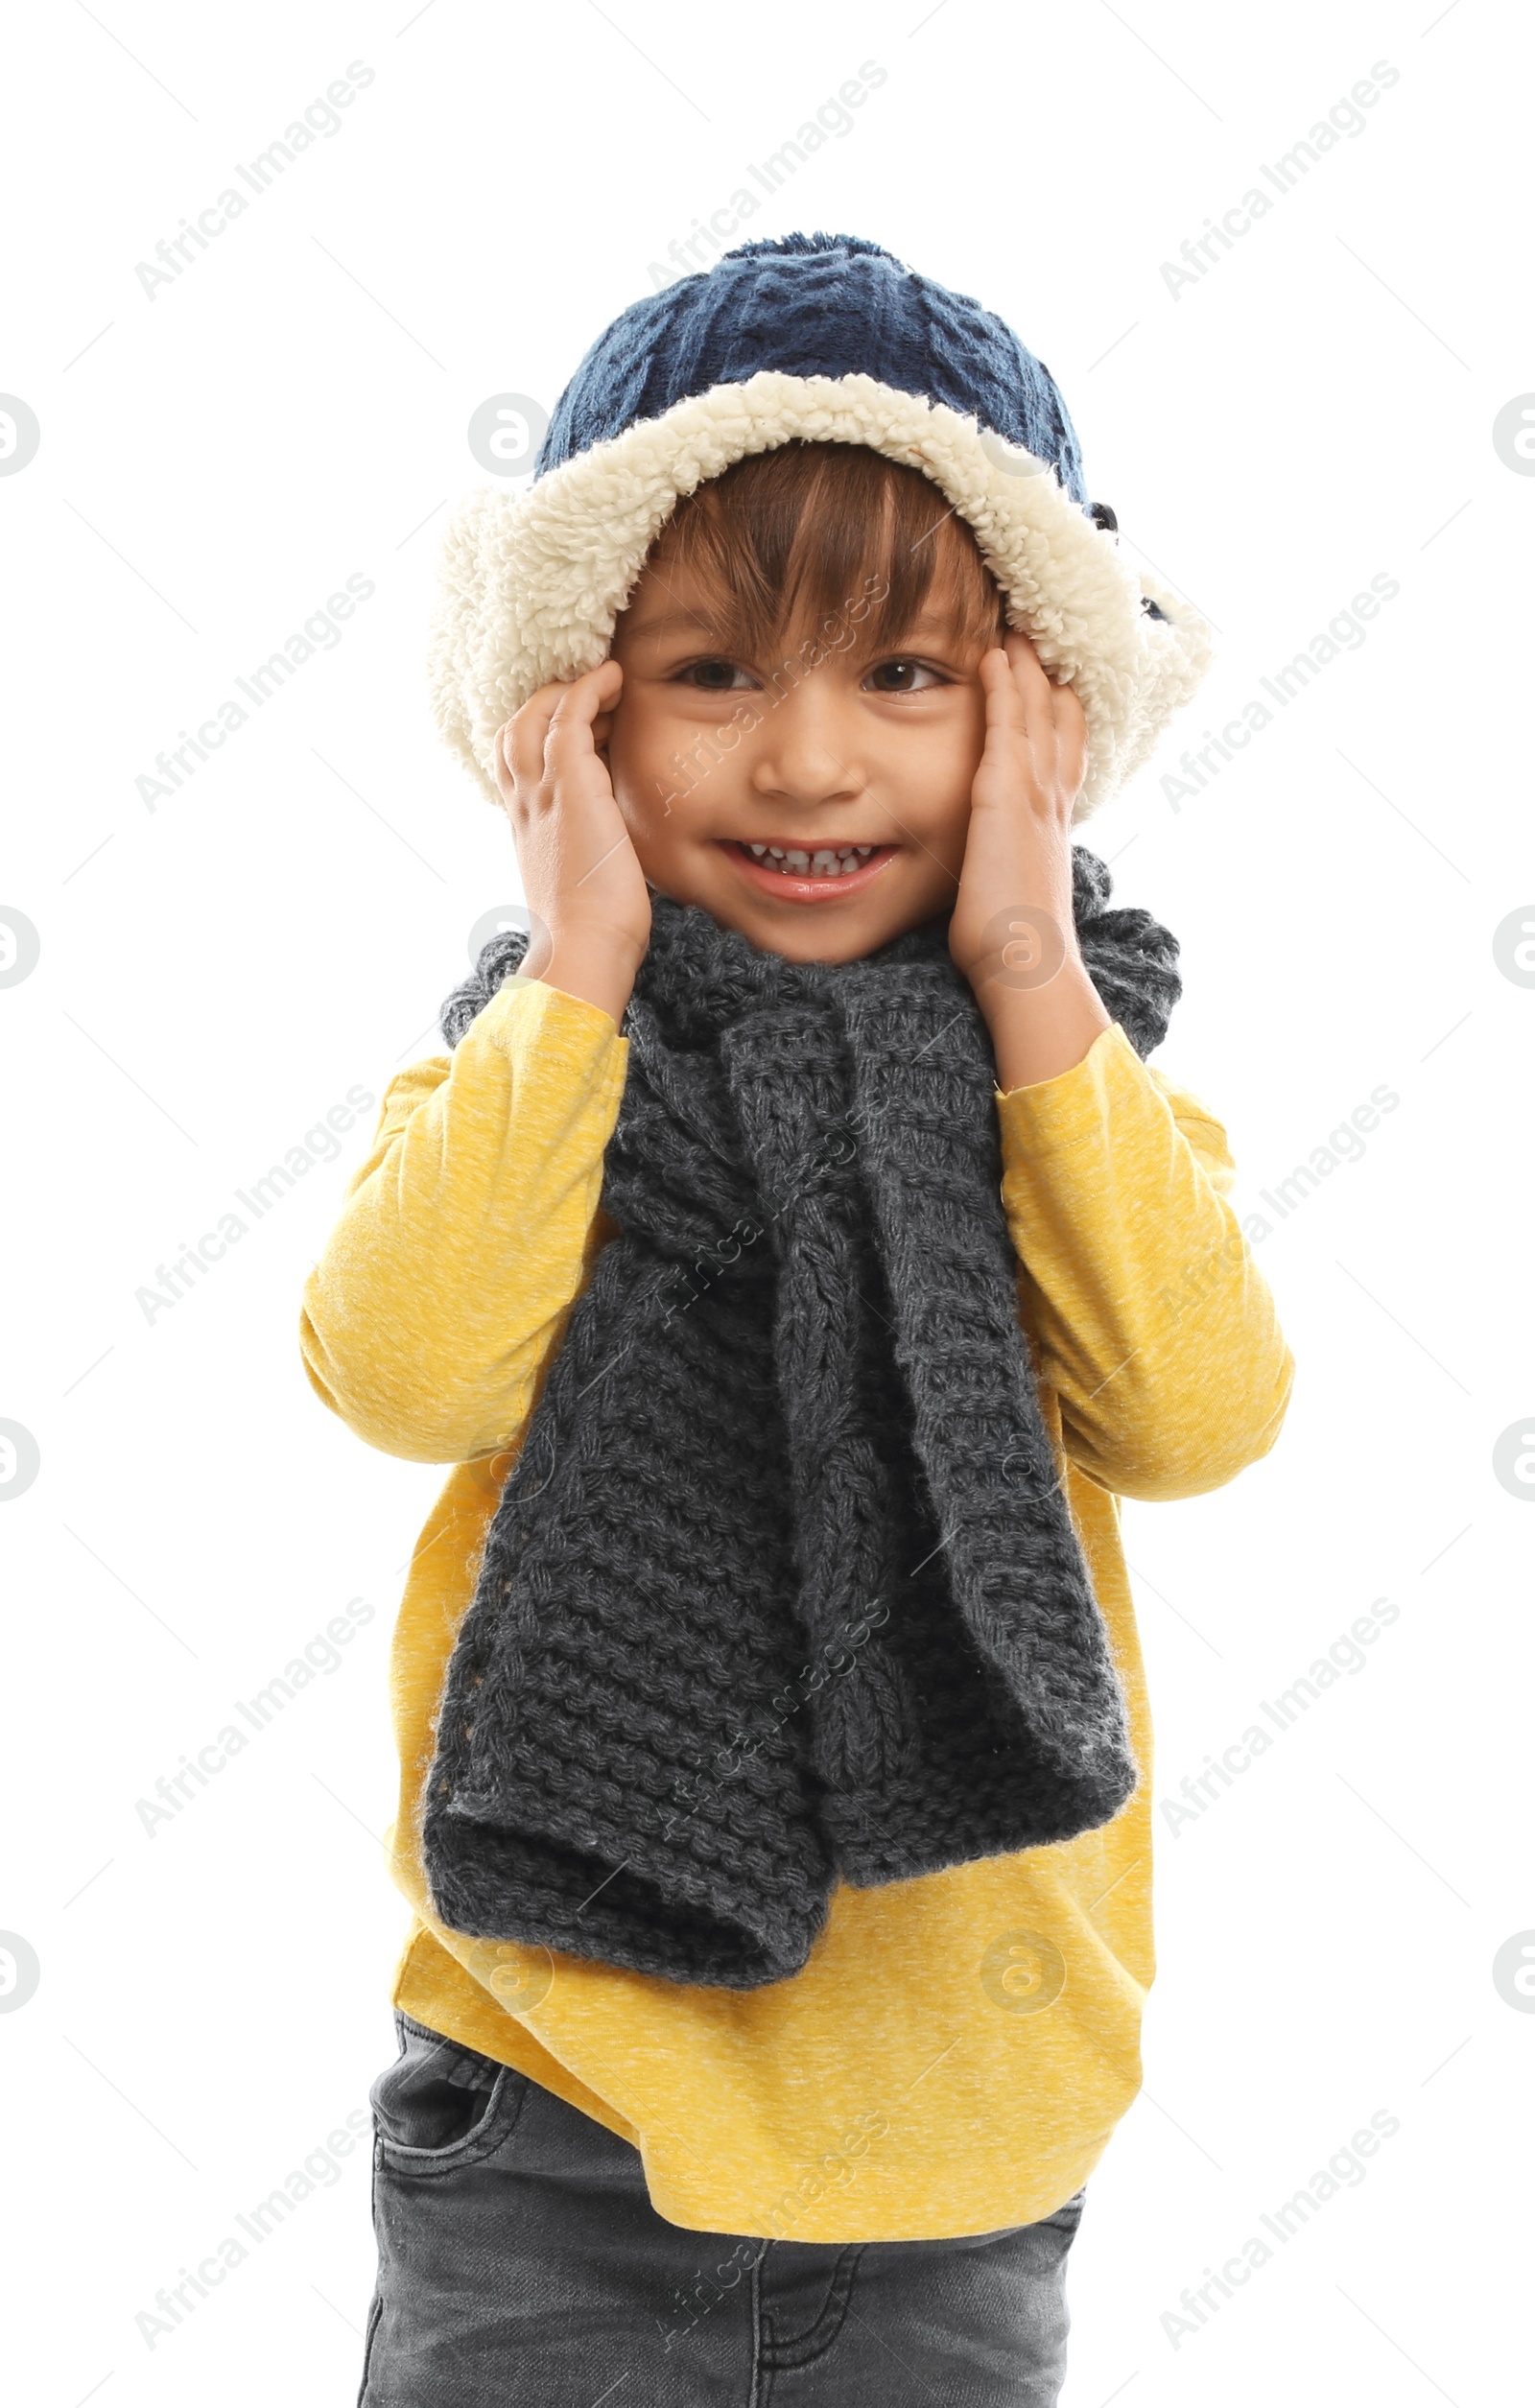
(1006, 720)
(569, 737)
(521, 743)
(1036, 700)
(500, 761)
(1066, 709)
(1034, 693)
(1066, 756)
(579, 699)
(1032, 684)
(522, 738)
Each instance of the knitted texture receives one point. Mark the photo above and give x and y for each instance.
(784, 1586)
(813, 305)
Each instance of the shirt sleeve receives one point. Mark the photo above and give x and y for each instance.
(1143, 1306)
(466, 1237)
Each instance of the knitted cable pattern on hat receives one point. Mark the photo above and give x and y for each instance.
(814, 305)
(784, 1586)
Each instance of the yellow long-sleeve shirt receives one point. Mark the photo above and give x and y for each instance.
(959, 2048)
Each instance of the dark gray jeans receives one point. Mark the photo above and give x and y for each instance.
(521, 2265)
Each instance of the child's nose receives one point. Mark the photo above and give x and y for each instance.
(806, 753)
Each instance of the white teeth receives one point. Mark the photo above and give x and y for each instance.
(758, 849)
(796, 858)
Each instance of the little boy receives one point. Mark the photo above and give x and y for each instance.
(797, 1261)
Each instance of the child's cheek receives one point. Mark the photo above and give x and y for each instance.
(928, 774)
(642, 763)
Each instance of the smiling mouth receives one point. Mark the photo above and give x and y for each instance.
(804, 873)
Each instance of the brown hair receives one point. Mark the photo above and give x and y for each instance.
(805, 526)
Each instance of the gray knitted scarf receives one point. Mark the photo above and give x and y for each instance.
(783, 1588)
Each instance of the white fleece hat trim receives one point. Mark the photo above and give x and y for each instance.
(534, 582)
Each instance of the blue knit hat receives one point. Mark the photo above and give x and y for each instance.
(813, 305)
(808, 338)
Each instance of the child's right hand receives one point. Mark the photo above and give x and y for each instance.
(580, 873)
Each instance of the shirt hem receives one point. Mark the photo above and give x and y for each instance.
(846, 2197)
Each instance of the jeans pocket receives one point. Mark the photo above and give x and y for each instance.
(442, 2104)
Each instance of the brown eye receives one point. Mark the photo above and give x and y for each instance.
(713, 677)
(901, 676)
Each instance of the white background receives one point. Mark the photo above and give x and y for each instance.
(217, 973)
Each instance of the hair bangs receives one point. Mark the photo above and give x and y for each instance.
(797, 533)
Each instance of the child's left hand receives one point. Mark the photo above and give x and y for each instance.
(1013, 932)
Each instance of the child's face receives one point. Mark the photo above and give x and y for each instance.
(711, 755)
